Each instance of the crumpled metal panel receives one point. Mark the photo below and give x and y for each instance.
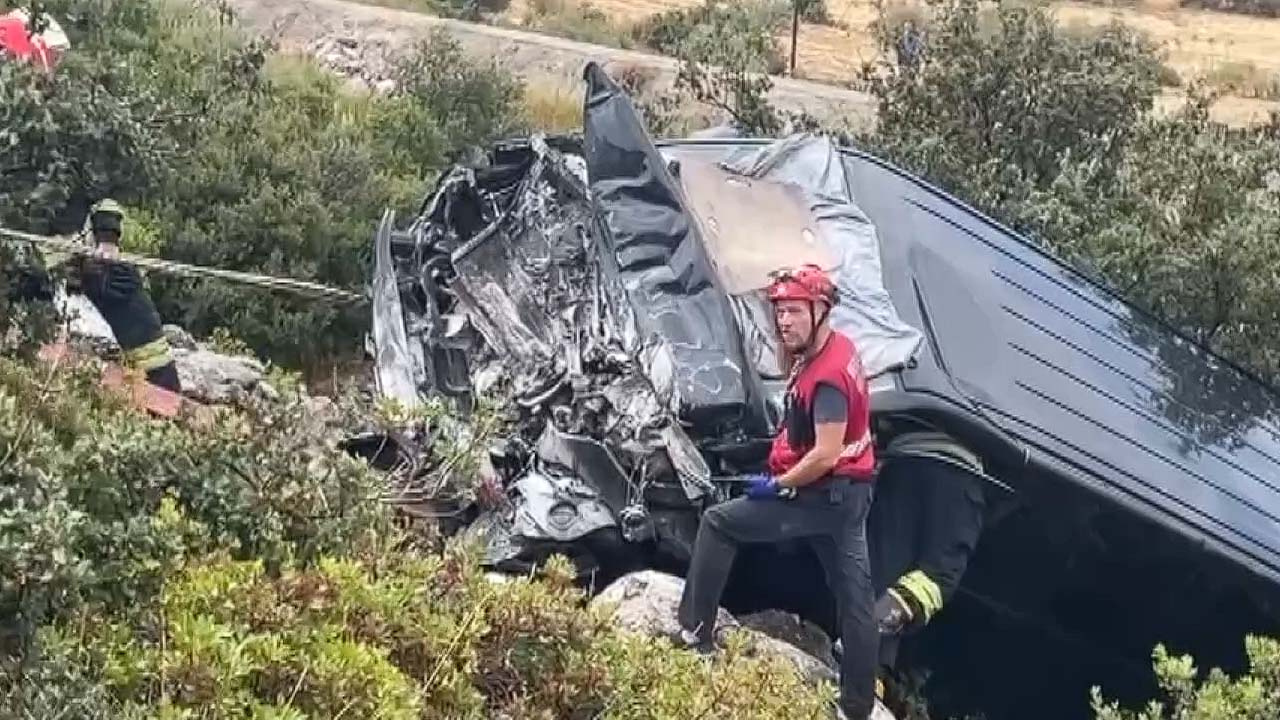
(866, 311)
(398, 365)
(681, 310)
(559, 508)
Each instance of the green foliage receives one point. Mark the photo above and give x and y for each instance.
(1254, 696)
(698, 32)
(466, 102)
(174, 109)
(814, 11)
(69, 140)
(991, 103)
(470, 10)
(727, 52)
(98, 502)
(1054, 133)
(401, 637)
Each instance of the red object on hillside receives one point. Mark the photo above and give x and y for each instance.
(142, 394)
(44, 49)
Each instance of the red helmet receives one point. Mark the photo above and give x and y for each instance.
(808, 283)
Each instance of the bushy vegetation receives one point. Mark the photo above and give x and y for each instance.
(716, 30)
(240, 568)
(1054, 133)
(1215, 696)
(174, 110)
(98, 503)
(728, 52)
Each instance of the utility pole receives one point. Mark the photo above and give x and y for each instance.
(795, 31)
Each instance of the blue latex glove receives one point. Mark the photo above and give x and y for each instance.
(761, 487)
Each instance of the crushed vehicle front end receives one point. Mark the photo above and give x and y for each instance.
(622, 316)
(606, 291)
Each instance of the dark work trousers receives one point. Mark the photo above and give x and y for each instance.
(833, 519)
(927, 516)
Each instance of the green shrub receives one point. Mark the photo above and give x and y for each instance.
(727, 53)
(1254, 696)
(404, 637)
(471, 10)
(716, 30)
(99, 502)
(815, 11)
(174, 109)
(1054, 133)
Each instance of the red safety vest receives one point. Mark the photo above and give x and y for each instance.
(838, 364)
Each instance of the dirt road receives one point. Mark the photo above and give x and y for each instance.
(371, 31)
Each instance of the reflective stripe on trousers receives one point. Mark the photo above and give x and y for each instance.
(150, 356)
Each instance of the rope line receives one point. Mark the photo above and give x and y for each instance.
(298, 287)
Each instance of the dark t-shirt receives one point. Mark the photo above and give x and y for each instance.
(829, 405)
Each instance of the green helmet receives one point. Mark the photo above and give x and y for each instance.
(106, 215)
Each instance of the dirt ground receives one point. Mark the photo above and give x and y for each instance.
(1195, 42)
(368, 33)
(828, 59)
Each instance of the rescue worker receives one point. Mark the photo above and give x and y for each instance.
(115, 288)
(923, 527)
(818, 486)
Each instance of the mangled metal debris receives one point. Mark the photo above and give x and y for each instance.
(606, 311)
(608, 290)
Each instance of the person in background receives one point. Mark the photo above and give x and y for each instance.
(923, 527)
(116, 290)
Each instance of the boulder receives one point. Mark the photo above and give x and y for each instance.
(789, 628)
(179, 338)
(218, 379)
(646, 602)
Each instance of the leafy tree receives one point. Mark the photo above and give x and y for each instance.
(177, 111)
(1054, 133)
(992, 103)
(1254, 696)
(727, 53)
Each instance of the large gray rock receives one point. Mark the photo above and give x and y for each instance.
(791, 629)
(646, 602)
(179, 338)
(219, 379)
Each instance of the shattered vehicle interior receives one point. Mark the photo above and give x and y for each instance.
(608, 289)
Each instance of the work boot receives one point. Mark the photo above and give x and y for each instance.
(879, 712)
(688, 640)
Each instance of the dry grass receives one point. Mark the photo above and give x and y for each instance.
(580, 20)
(1245, 79)
(1236, 52)
(1194, 41)
(553, 107)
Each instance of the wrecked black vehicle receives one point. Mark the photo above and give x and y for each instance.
(609, 288)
